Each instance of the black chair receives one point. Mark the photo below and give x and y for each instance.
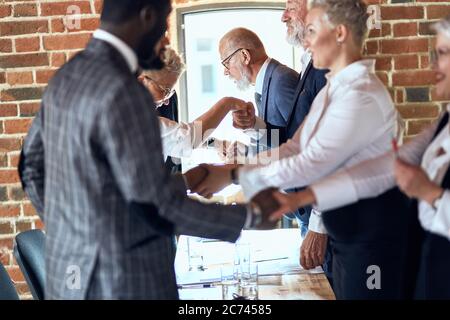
(29, 250)
(7, 289)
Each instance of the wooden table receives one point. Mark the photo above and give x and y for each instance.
(283, 279)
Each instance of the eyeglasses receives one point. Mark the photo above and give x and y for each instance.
(226, 61)
(436, 55)
(167, 92)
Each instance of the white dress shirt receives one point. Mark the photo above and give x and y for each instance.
(179, 139)
(351, 120)
(374, 177)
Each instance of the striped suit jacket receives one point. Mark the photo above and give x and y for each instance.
(92, 166)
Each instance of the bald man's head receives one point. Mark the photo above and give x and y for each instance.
(242, 38)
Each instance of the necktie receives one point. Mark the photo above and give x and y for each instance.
(258, 100)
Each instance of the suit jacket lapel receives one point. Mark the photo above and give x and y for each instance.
(266, 85)
(298, 91)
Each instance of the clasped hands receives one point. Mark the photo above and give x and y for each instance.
(208, 179)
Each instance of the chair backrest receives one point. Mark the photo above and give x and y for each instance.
(29, 250)
(7, 289)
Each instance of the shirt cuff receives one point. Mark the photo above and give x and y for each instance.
(315, 222)
(441, 220)
(251, 181)
(259, 124)
(249, 218)
(334, 192)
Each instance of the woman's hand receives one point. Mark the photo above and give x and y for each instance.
(414, 182)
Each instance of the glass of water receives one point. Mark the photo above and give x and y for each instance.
(249, 281)
(229, 280)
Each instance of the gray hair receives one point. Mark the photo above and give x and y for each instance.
(442, 26)
(173, 63)
(351, 13)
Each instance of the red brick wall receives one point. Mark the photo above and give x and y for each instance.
(34, 42)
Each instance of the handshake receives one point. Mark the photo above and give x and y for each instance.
(206, 179)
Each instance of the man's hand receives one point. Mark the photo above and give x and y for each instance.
(312, 251)
(218, 177)
(289, 202)
(193, 177)
(414, 182)
(235, 104)
(245, 119)
(266, 204)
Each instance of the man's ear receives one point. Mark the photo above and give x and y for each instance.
(247, 56)
(147, 17)
(342, 33)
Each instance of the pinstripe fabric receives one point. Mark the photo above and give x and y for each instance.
(92, 166)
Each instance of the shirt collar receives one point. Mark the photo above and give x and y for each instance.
(351, 73)
(128, 54)
(260, 77)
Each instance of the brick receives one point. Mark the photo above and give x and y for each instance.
(438, 12)
(8, 110)
(22, 289)
(58, 59)
(89, 24)
(425, 28)
(413, 78)
(417, 126)
(57, 25)
(5, 257)
(25, 10)
(371, 47)
(65, 42)
(9, 176)
(10, 144)
(24, 60)
(19, 78)
(6, 243)
(402, 12)
(5, 45)
(5, 11)
(17, 194)
(60, 8)
(6, 228)
(23, 27)
(21, 94)
(14, 160)
(383, 63)
(399, 46)
(399, 96)
(386, 30)
(44, 76)
(28, 44)
(3, 160)
(38, 224)
(15, 274)
(23, 226)
(29, 210)
(2, 77)
(29, 109)
(3, 194)
(98, 4)
(416, 112)
(406, 62)
(405, 29)
(9, 211)
(418, 94)
(17, 126)
(424, 62)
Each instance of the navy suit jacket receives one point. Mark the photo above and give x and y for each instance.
(295, 106)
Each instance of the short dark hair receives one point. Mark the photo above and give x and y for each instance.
(118, 11)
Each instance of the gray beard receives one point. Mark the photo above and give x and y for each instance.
(296, 37)
(244, 83)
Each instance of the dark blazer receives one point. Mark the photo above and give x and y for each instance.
(170, 112)
(92, 166)
(305, 92)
